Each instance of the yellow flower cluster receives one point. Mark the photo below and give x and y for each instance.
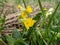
(24, 12)
(28, 22)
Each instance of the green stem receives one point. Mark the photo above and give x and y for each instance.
(40, 5)
(43, 13)
(24, 3)
(3, 42)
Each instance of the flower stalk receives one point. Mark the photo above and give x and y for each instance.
(43, 13)
(40, 5)
(24, 3)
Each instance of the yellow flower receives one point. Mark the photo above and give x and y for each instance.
(23, 15)
(20, 7)
(29, 22)
(29, 9)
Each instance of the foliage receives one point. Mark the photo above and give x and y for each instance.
(46, 34)
(2, 14)
(2, 18)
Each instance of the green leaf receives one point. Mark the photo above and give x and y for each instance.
(16, 34)
(52, 39)
(10, 40)
(4, 38)
(37, 17)
(39, 41)
(20, 42)
(1, 28)
(2, 42)
(3, 19)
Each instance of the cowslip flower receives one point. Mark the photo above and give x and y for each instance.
(20, 7)
(29, 9)
(29, 22)
(23, 15)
